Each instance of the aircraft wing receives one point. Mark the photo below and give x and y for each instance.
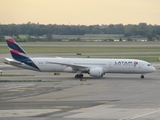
(74, 66)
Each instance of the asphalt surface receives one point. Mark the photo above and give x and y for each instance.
(62, 97)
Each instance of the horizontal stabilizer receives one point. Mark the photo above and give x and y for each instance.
(11, 61)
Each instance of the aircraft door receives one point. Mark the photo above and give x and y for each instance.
(110, 64)
(140, 66)
(112, 67)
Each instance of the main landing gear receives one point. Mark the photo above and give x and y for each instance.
(79, 76)
(142, 76)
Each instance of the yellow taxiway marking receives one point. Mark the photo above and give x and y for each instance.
(141, 114)
(27, 89)
(101, 102)
(56, 107)
(16, 90)
(44, 86)
(21, 89)
(135, 107)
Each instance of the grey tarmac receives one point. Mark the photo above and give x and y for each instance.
(62, 97)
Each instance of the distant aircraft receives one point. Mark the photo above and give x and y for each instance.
(94, 67)
(1, 71)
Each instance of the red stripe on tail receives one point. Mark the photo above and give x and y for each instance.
(11, 40)
(15, 51)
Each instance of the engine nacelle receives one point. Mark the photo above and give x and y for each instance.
(96, 72)
(1, 71)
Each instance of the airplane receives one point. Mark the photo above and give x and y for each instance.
(1, 71)
(93, 66)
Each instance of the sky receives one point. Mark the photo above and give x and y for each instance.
(80, 12)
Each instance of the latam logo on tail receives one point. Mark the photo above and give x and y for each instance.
(93, 66)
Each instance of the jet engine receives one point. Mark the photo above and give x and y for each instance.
(1, 71)
(96, 72)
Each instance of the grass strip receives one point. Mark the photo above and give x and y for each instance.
(13, 75)
(20, 80)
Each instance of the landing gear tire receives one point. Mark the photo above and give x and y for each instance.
(142, 76)
(76, 76)
(79, 76)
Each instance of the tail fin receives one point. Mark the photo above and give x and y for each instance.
(16, 51)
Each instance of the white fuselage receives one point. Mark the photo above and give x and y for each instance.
(133, 66)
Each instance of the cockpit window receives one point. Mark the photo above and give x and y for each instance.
(149, 65)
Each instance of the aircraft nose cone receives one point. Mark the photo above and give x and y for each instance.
(153, 69)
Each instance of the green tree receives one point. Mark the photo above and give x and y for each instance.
(49, 37)
(2, 39)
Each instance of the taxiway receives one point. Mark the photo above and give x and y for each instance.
(113, 97)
